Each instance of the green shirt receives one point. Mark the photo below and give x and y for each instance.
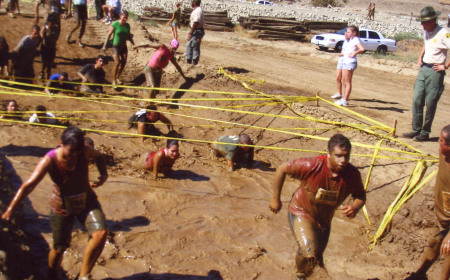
(121, 34)
(229, 150)
(177, 18)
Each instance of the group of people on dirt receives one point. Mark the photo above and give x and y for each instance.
(325, 181)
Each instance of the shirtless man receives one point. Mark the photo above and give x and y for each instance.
(72, 197)
(325, 182)
(439, 243)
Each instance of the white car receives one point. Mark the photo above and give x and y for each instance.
(372, 40)
(263, 2)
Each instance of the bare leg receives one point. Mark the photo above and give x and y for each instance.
(339, 81)
(54, 262)
(116, 66)
(347, 80)
(93, 250)
(123, 61)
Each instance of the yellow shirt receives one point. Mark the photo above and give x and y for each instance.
(437, 43)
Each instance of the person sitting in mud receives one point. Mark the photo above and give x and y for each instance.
(234, 153)
(325, 182)
(72, 198)
(42, 116)
(144, 120)
(11, 109)
(439, 242)
(93, 73)
(154, 69)
(161, 161)
(58, 83)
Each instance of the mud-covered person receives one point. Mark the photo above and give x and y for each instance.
(325, 182)
(144, 120)
(11, 111)
(23, 55)
(439, 243)
(58, 82)
(236, 152)
(42, 116)
(161, 161)
(72, 197)
(93, 74)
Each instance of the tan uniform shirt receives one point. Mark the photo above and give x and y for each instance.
(197, 15)
(442, 194)
(437, 43)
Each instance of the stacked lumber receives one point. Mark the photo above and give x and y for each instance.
(325, 25)
(214, 21)
(271, 28)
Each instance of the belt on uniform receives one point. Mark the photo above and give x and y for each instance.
(429, 65)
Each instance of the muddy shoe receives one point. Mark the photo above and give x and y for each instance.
(300, 276)
(421, 138)
(410, 135)
(415, 276)
(68, 39)
(81, 44)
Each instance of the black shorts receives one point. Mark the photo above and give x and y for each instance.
(80, 12)
(120, 50)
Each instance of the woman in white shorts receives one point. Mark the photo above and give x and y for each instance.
(347, 63)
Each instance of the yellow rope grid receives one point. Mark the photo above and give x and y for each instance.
(414, 182)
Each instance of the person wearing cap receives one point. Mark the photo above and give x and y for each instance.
(58, 82)
(196, 33)
(430, 79)
(154, 69)
(121, 30)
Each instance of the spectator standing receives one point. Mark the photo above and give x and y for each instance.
(175, 21)
(80, 12)
(429, 84)
(348, 63)
(196, 33)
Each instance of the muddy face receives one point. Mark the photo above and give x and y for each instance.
(173, 152)
(338, 159)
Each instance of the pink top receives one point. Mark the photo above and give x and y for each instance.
(162, 53)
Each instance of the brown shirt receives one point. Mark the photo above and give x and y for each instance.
(320, 193)
(442, 194)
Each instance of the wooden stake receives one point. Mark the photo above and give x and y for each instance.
(395, 128)
(317, 100)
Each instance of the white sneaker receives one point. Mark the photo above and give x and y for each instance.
(337, 96)
(108, 22)
(105, 19)
(341, 102)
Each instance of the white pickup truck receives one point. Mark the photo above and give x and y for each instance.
(372, 40)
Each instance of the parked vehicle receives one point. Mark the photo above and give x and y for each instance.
(372, 40)
(263, 2)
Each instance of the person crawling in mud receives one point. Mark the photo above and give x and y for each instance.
(161, 161)
(72, 197)
(234, 153)
(439, 243)
(325, 182)
(11, 111)
(144, 120)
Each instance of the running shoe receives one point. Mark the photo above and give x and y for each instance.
(105, 19)
(337, 96)
(341, 102)
(108, 22)
(81, 44)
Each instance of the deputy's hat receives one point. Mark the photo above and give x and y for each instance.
(428, 13)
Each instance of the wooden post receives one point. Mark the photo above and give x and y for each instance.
(317, 100)
(395, 128)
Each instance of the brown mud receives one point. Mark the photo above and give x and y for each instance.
(205, 222)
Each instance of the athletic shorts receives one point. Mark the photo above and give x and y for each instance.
(120, 50)
(174, 24)
(92, 218)
(347, 66)
(80, 12)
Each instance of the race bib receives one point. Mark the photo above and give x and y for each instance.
(446, 201)
(75, 204)
(326, 197)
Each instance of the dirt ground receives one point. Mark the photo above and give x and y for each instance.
(205, 222)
